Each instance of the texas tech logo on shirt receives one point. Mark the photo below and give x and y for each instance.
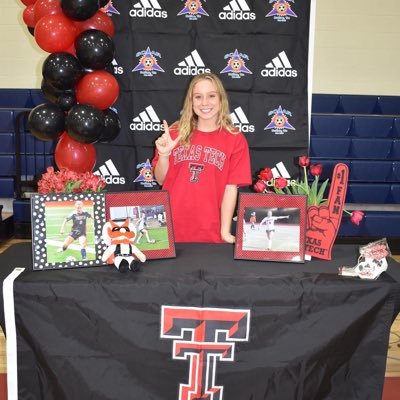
(237, 10)
(147, 121)
(191, 65)
(203, 337)
(110, 173)
(240, 120)
(279, 67)
(147, 9)
(281, 10)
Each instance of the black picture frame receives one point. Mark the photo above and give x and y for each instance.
(58, 236)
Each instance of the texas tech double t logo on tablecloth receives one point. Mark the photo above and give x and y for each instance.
(203, 336)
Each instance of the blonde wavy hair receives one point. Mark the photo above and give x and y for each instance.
(187, 123)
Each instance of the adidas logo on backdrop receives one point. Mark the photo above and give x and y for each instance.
(279, 67)
(237, 10)
(110, 173)
(147, 9)
(280, 171)
(147, 121)
(118, 70)
(240, 120)
(191, 65)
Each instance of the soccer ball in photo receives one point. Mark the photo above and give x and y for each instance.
(70, 259)
(152, 241)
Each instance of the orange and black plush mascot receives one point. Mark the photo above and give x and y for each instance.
(121, 251)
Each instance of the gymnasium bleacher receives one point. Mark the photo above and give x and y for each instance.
(22, 158)
(362, 131)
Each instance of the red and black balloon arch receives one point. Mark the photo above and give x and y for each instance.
(77, 78)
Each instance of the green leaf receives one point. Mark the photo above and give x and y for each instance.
(320, 196)
(279, 191)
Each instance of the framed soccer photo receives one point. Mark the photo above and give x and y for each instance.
(271, 227)
(66, 230)
(150, 215)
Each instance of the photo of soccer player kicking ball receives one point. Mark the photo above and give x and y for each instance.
(78, 229)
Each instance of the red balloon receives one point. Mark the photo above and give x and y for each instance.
(28, 16)
(99, 21)
(97, 88)
(78, 157)
(28, 2)
(46, 7)
(55, 33)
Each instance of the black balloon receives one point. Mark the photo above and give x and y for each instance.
(103, 3)
(46, 121)
(85, 123)
(62, 70)
(112, 126)
(66, 101)
(94, 49)
(51, 93)
(79, 10)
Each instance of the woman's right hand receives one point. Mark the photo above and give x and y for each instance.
(165, 144)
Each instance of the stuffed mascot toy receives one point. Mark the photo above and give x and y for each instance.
(121, 251)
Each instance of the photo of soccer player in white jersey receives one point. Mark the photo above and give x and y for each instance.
(276, 229)
(150, 235)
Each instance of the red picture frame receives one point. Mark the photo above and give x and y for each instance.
(151, 214)
(271, 227)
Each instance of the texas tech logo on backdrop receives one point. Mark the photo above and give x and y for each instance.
(237, 10)
(148, 65)
(191, 65)
(203, 337)
(240, 120)
(147, 9)
(147, 121)
(281, 10)
(279, 67)
(109, 9)
(193, 10)
(279, 121)
(236, 67)
(110, 173)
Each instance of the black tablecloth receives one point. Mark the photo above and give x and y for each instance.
(98, 334)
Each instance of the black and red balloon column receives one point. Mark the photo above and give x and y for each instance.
(76, 81)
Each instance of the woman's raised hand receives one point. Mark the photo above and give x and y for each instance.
(165, 143)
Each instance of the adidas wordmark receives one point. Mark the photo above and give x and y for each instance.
(240, 120)
(148, 9)
(279, 67)
(237, 10)
(110, 173)
(191, 65)
(147, 121)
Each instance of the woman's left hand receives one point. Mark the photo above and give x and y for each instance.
(228, 238)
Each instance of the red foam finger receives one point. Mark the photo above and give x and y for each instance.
(337, 193)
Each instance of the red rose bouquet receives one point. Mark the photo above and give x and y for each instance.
(66, 181)
(314, 192)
